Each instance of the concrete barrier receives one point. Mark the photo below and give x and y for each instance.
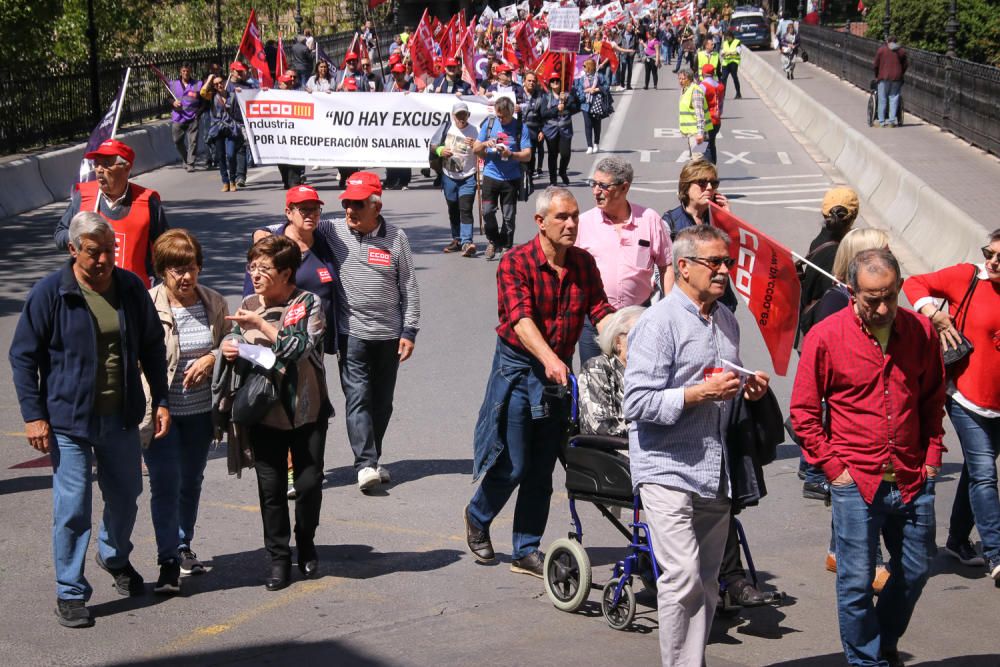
(37, 180)
(913, 211)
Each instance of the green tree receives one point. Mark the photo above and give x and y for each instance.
(920, 23)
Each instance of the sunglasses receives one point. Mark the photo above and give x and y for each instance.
(597, 184)
(705, 182)
(713, 262)
(989, 255)
(353, 203)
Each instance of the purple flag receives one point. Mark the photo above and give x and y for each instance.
(105, 130)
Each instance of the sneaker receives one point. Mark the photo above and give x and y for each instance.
(291, 485)
(597, 148)
(383, 474)
(533, 564)
(590, 149)
(881, 578)
(994, 569)
(478, 540)
(892, 657)
(368, 478)
(73, 614)
(454, 246)
(190, 563)
(831, 563)
(241, 183)
(189, 168)
(128, 582)
(469, 250)
(816, 490)
(491, 252)
(169, 581)
(964, 552)
(738, 96)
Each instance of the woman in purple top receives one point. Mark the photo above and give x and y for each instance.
(651, 56)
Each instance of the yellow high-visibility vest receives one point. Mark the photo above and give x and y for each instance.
(688, 121)
(705, 57)
(730, 52)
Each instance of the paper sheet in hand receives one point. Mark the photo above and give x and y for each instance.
(258, 354)
(739, 370)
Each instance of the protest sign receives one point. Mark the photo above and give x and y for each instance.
(509, 13)
(363, 130)
(564, 30)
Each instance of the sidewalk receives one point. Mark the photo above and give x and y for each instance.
(967, 177)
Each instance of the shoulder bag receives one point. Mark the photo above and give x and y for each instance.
(953, 355)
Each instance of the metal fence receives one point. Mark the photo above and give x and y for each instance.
(53, 106)
(957, 95)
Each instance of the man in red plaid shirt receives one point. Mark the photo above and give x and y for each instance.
(546, 288)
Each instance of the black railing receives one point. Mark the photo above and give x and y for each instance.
(52, 106)
(957, 95)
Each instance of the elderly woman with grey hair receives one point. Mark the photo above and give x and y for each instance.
(602, 380)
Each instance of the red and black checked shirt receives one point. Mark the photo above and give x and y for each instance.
(882, 407)
(528, 287)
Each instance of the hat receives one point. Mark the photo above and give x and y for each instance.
(555, 75)
(113, 147)
(450, 62)
(708, 68)
(350, 83)
(503, 67)
(351, 55)
(459, 107)
(398, 68)
(841, 196)
(302, 193)
(395, 58)
(238, 66)
(284, 78)
(361, 185)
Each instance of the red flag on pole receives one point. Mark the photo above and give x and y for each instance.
(281, 63)
(764, 275)
(422, 52)
(525, 39)
(548, 65)
(252, 49)
(507, 52)
(467, 48)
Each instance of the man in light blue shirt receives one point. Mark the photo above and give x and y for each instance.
(679, 396)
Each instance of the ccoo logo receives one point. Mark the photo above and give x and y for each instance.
(271, 109)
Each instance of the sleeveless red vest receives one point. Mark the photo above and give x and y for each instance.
(132, 244)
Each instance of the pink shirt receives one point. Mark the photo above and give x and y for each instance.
(626, 257)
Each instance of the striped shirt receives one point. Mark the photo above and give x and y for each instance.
(378, 297)
(194, 335)
(672, 347)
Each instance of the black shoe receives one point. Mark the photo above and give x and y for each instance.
(745, 594)
(628, 87)
(533, 564)
(190, 563)
(278, 578)
(964, 552)
(241, 183)
(73, 614)
(308, 560)
(478, 540)
(169, 582)
(892, 657)
(128, 582)
(802, 474)
(552, 182)
(565, 178)
(816, 490)
(738, 96)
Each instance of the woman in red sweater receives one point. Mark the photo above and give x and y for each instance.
(973, 393)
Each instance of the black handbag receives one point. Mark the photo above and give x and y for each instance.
(953, 355)
(255, 397)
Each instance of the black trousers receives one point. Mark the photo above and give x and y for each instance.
(732, 566)
(625, 70)
(559, 152)
(732, 69)
(291, 175)
(711, 152)
(503, 195)
(538, 150)
(368, 371)
(652, 71)
(270, 449)
(397, 177)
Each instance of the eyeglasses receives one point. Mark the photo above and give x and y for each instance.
(180, 271)
(353, 203)
(263, 269)
(591, 183)
(308, 210)
(705, 182)
(988, 254)
(713, 263)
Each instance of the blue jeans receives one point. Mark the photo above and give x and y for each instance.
(867, 629)
(531, 435)
(976, 494)
(460, 193)
(368, 378)
(814, 474)
(176, 464)
(228, 153)
(888, 90)
(119, 476)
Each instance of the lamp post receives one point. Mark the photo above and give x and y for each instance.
(802, 9)
(887, 21)
(298, 16)
(951, 28)
(218, 31)
(95, 80)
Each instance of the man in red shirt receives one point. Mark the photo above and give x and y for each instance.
(545, 289)
(880, 372)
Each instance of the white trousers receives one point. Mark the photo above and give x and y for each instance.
(689, 537)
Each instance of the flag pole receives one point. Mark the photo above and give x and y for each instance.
(813, 266)
(121, 103)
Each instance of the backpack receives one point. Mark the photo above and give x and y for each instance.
(438, 140)
(526, 185)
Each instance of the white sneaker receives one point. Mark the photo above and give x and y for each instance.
(315, 167)
(590, 150)
(383, 474)
(596, 147)
(368, 478)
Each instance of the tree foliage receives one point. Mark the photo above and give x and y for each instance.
(921, 24)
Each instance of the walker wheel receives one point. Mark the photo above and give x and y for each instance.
(619, 616)
(567, 574)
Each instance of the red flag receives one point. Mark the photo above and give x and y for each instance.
(861, 6)
(449, 37)
(507, 52)
(764, 275)
(372, 4)
(525, 39)
(549, 64)
(421, 45)
(467, 48)
(253, 50)
(608, 53)
(281, 63)
(358, 48)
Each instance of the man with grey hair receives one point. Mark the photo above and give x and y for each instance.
(545, 288)
(679, 391)
(504, 142)
(83, 336)
(628, 242)
(135, 212)
(879, 371)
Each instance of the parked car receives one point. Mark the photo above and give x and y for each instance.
(751, 29)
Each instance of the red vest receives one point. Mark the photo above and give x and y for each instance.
(712, 94)
(132, 244)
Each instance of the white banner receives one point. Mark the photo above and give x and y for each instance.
(356, 129)
(509, 13)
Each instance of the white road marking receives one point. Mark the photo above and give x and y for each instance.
(617, 120)
(756, 178)
(779, 187)
(744, 134)
(644, 154)
(808, 209)
(770, 203)
(783, 158)
(737, 157)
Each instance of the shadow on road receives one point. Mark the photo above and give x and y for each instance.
(326, 652)
(409, 470)
(21, 484)
(837, 659)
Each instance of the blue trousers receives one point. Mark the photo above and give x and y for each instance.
(888, 92)
(868, 629)
(368, 377)
(976, 495)
(176, 464)
(119, 476)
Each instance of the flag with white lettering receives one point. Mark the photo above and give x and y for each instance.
(253, 50)
(764, 275)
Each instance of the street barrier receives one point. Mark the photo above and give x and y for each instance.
(913, 211)
(23, 188)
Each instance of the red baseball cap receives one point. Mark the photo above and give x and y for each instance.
(504, 67)
(361, 185)
(350, 83)
(237, 65)
(450, 62)
(302, 193)
(284, 78)
(395, 58)
(399, 68)
(350, 56)
(113, 147)
(707, 68)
